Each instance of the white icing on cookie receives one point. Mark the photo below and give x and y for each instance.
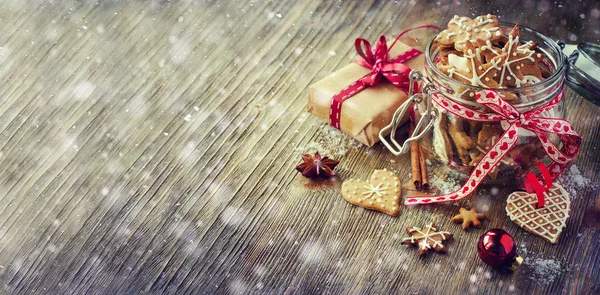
(530, 79)
(458, 20)
(513, 48)
(475, 79)
(457, 61)
(472, 29)
(481, 21)
(488, 32)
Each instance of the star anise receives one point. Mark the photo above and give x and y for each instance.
(316, 166)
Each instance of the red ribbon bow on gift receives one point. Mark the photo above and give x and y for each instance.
(392, 70)
(530, 120)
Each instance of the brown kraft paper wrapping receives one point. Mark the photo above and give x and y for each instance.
(368, 111)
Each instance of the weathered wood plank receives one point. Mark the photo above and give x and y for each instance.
(149, 147)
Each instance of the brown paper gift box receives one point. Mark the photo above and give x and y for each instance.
(367, 112)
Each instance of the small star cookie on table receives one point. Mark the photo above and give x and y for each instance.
(380, 193)
(468, 217)
(428, 238)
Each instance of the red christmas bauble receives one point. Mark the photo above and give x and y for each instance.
(497, 248)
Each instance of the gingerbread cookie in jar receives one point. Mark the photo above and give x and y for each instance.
(491, 105)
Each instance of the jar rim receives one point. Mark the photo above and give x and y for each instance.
(544, 84)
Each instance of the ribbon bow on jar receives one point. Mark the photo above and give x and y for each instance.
(503, 111)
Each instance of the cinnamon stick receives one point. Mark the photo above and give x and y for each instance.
(423, 166)
(415, 159)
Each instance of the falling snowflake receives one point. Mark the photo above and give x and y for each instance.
(83, 90)
(180, 50)
(233, 216)
(312, 253)
(238, 287)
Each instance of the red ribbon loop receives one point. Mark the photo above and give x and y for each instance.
(530, 120)
(533, 185)
(392, 70)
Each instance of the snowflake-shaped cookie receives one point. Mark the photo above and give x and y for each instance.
(521, 64)
(428, 238)
(472, 71)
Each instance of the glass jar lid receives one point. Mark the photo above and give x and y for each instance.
(584, 72)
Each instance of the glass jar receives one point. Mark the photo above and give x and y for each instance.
(460, 143)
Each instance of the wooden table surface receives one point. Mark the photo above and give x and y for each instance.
(150, 146)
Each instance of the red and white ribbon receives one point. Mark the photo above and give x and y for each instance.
(392, 70)
(530, 120)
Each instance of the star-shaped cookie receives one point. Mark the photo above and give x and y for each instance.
(468, 218)
(521, 63)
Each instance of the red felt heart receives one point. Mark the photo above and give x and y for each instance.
(486, 165)
(440, 199)
(445, 103)
(454, 197)
(482, 116)
(550, 151)
(562, 159)
(490, 95)
(504, 146)
(512, 134)
(425, 201)
(566, 128)
(493, 154)
(477, 96)
(469, 114)
(477, 173)
(473, 183)
(456, 107)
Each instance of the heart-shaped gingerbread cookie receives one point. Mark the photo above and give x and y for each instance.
(381, 192)
(546, 222)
